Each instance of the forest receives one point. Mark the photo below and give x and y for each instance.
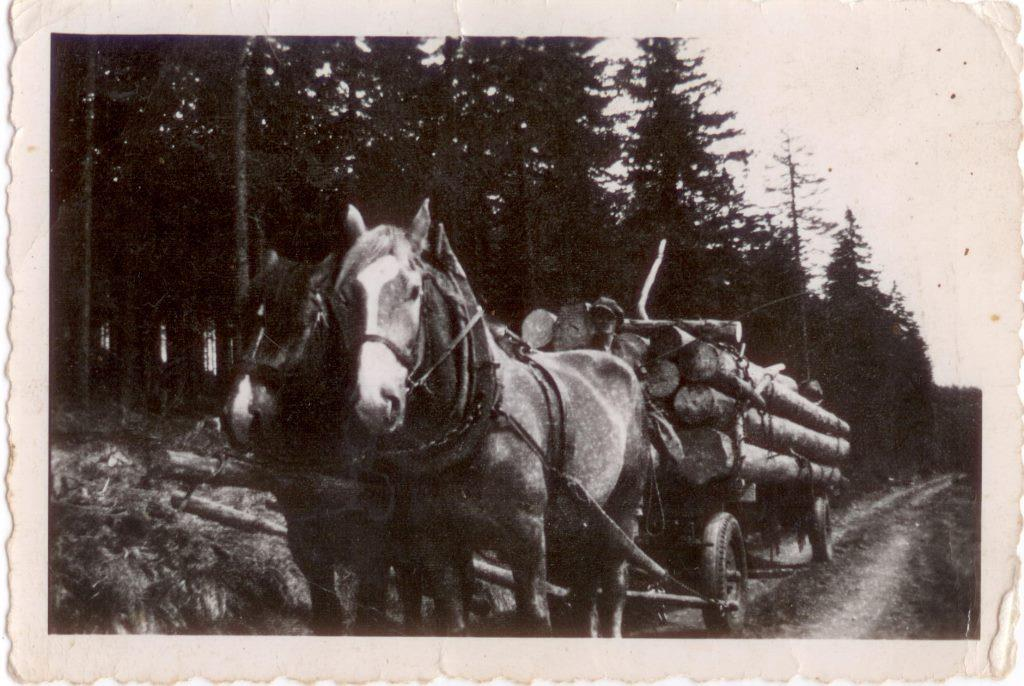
(177, 161)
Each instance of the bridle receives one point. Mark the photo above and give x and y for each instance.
(414, 361)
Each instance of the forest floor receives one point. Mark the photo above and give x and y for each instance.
(122, 559)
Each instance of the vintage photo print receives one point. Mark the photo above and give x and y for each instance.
(548, 340)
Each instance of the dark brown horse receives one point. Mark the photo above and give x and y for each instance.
(489, 443)
(287, 405)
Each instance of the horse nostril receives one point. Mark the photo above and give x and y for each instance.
(393, 403)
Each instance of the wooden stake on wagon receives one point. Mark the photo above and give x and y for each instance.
(645, 292)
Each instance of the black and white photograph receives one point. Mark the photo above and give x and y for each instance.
(493, 336)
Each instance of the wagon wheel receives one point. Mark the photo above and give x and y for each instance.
(821, 530)
(724, 572)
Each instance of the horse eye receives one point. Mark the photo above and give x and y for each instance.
(414, 292)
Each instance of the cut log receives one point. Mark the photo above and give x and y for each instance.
(776, 433)
(789, 404)
(707, 455)
(767, 467)
(667, 342)
(538, 328)
(229, 516)
(717, 330)
(573, 329)
(701, 405)
(630, 347)
(662, 378)
(704, 363)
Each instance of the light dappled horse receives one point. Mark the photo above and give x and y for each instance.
(484, 441)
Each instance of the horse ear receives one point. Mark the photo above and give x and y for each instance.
(420, 226)
(354, 224)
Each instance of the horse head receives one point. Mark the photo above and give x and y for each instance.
(383, 273)
(291, 368)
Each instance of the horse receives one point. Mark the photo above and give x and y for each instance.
(495, 446)
(286, 404)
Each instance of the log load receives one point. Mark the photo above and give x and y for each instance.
(700, 405)
(776, 433)
(721, 331)
(767, 467)
(708, 454)
(702, 362)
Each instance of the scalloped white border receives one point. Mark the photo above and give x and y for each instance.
(37, 656)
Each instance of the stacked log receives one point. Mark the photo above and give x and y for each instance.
(701, 362)
(718, 396)
(700, 405)
(767, 467)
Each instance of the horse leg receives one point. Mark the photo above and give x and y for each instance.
(581, 620)
(614, 586)
(371, 598)
(443, 577)
(529, 571)
(410, 591)
(467, 580)
(327, 616)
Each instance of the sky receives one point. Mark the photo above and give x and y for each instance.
(914, 129)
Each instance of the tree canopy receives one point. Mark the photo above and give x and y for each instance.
(181, 159)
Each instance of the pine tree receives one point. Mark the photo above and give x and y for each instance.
(876, 363)
(680, 181)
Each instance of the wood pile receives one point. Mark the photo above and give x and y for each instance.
(732, 417)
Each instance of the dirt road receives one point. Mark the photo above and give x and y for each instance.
(904, 567)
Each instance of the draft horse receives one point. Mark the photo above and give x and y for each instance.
(494, 446)
(287, 405)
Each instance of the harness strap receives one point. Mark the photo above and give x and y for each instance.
(619, 538)
(416, 383)
(403, 356)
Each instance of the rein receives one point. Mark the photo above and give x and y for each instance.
(413, 384)
(478, 393)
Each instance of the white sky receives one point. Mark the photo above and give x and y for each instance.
(874, 104)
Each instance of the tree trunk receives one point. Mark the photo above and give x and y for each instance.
(707, 455)
(83, 353)
(776, 433)
(241, 176)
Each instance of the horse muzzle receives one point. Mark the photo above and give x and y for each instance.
(251, 413)
(381, 414)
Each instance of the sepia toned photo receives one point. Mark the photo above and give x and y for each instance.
(464, 401)
(609, 335)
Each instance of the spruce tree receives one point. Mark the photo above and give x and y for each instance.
(680, 181)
